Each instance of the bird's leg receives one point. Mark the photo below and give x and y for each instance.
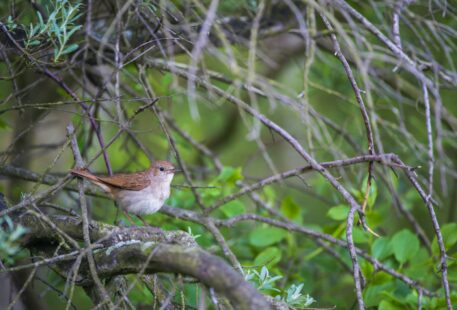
(129, 218)
(143, 220)
(117, 212)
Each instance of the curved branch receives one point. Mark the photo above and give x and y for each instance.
(195, 262)
(128, 250)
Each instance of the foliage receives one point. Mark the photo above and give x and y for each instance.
(294, 297)
(276, 58)
(57, 29)
(264, 282)
(10, 236)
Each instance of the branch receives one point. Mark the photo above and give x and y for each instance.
(126, 249)
(381, 158)
(79, 163)
(296, 145)
(207, 268)
(48, 179)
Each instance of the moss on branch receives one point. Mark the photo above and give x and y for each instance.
(141, 250)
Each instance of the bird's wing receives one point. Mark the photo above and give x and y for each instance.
(131, 181)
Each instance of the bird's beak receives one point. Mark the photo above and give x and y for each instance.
(176, 170)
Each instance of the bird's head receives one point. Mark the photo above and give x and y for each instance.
(162, 169)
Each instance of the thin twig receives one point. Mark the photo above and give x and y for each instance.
(381, 158)
(197, 51)
(79, 163)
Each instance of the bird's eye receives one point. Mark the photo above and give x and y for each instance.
(161, 168)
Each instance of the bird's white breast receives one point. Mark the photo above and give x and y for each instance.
(146, 201)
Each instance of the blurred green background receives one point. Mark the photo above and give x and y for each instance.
(34, 138)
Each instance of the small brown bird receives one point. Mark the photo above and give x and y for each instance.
(138, 193)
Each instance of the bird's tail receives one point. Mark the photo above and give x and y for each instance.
(84, 173)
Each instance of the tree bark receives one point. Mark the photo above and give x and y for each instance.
(140, 250)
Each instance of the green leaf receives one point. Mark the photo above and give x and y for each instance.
(72, 31)
(265, 236)
(233, 208)
(386, 305)
(40, 20)
(270, 194)
(373, 194)
(291, 209)
(359, 235)
(270, 256)
(449, 232)
(372, 294)
(17, 233)
(338, 213)
(416, 265)
(81, 140)
(34, 42)
(360, 194)
(381, 248)
(210, 195)
(167, 78)
(452, 272)
(182, 199)
(70, 48)
(374, 217)
(56, 52)
(230, 175)
(405, 245)
(393, 179)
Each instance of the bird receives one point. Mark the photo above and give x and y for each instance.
(138, 193)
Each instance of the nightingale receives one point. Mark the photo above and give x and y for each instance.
(139, 193)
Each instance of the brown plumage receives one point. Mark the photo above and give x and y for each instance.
(130, 181)
(138, 193)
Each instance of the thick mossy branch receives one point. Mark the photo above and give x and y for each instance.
(207, 268)
(146, 250)
(100, 233)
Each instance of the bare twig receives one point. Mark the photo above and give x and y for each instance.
(197, 51)
(79, 163)
(381, 158)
